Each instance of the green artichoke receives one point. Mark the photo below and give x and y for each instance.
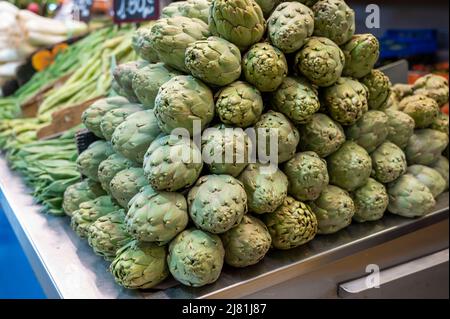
(198, 9)
(442, 166)
(110, 167)
(265, 188)
(350, 167)
(182, 101)
(401, 91)
(214, 61)
(425, 147)
(421, 108)
(361, 55)
(267, 6)
(156, 216)
(321, 135)
(196, 258)
(140, 265)
(112, 119)
(293, 224)
(297, 99)
(388, 163)
(239, 21)
(392, 102)
(172, 163)
(430, 177)
(247, 243)
(239, 104)
(89, 161)
(141, 43)
(217, 203)
(308, 176)
(441, 123)
(321, 61)
(401, 127)
(371, 201)
(79, 193)
(379, 87)
(290, 24)
(408, 197)
(334, 210)
(265, 67)
(124, 73)
(434, 87)
(126, 184)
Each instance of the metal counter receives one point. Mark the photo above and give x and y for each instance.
(67, 268)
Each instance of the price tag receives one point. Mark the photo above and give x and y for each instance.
(135, 10)
(82, 9)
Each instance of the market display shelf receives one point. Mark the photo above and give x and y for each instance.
(67, 267)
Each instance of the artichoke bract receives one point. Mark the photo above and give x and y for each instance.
(308, 3)
(124, 73)
(425, 146)
(267, 6)
(288, 135)
(400, 126)
(408, 197)
(350, 167)
(434, 87)
(371, 201)
(110, 167)
(172, 163)
(239, 21)
(370, 131)
(388, 163)
(196, 258)
(346, 101)
(215, 61)
(321, 135)
(89, 161)
(293, 224)
(182, 101)
(226, 150)
(156, 216)
(126, 184)
(379, 87)
(441, 123)
(265, 67)
(112, 119)
(361, 55)
(442, 166)
(401, 90)
(108, 234)
(170, 37)
(308, 176)
(290, 25)
(141, 43)
(79, 193)
(247, 243)
(265, 189)
(217, 203)
(430, 177)
(321, 61)
(297, 99)
(140, 265)
(198, 9)
(239, 104)
(147, 81)
(334, 210)
(133, 137)
(335, 20)
(422, 109)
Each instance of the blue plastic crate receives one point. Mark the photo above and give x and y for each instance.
(408, 43)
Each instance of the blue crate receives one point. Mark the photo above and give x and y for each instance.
(407, 43)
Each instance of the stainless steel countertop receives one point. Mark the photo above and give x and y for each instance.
(67, 268)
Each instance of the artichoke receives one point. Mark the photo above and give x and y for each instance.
(408, 197)
(171, 36)
(124, 73)
(321, 135)
(239, 104)
(293, 224)
(198, 9)
(379, 87)
(181, 102)
(172, 163)
(126, 184)
(388, 163)
(430, 177)
(133, 137)
(217, 203)
(434, 87)
(107, 235)
(400, 126)
(79, 193)
(350, 167)
(110, 167)
(276, 124)
(308, 176)
(421, 108)
(265, 67)
(392, 103)
(267, 6)
(297, 99)
(239, 21)
(401, 91)
(156, 216)
(370, 131)
(112, 119)
(371, 201)
(321, 61)
(425, 147)
(442, 166)
(247, 243)
(89, 161)
(346, 101)
(290, 25)
(140, 265)
(334, 210)
(265, 188)
(214, 61)
(361, 55)
(196, 258)
(441, 123)
(141, 43)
